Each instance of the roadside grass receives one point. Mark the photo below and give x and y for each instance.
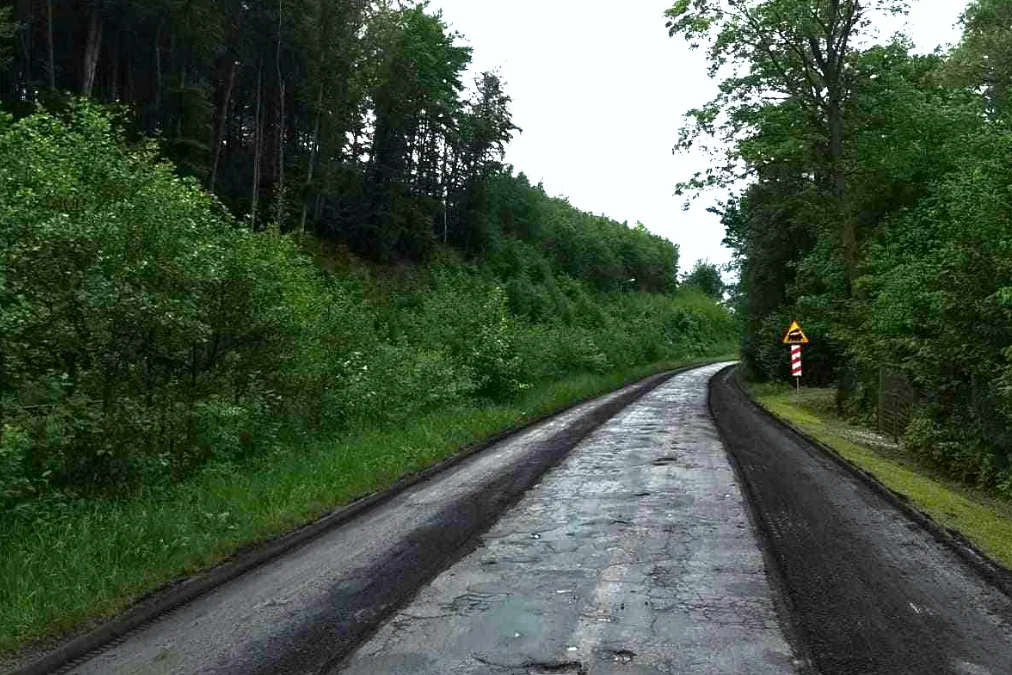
(82, 562)
(981, 518)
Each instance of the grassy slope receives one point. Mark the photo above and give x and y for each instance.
(96, 559)
(985, 521)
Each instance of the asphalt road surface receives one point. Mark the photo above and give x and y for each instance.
(634, 555)
(871, 592)
(307, 609)
(636, 552)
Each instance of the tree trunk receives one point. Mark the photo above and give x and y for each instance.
(256, 153)
(52, 56)
(280, 212)
(24, 22)
(837, 39)
(158, 74)
(114, 69)
(219, 132)
(444, 191)
(839, 188)
(91, 52)
(313, 150)
(317, 210)
(129, 88)
(179, 112)
(281, 128)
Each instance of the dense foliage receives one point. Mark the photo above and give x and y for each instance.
(877, 210)
(344, 118)
(145, 332)
(706, 277)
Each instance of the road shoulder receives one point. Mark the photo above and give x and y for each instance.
(971, 521)
(871, 591)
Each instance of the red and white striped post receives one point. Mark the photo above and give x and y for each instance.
(795, 337)
(796, 364)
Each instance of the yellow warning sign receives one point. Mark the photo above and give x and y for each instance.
(795, 336)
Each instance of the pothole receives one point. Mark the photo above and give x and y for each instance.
(664, 461)
(623, 656)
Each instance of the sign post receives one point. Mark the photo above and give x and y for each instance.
(795, 337)
(796, 364)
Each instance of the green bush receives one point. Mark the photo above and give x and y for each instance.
(137, 320)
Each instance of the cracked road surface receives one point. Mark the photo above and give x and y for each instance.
(872, 592)
(302, 612)
(634, 555)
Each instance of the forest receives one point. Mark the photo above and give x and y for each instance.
(227, 223)
(345, 119)
(869, 198)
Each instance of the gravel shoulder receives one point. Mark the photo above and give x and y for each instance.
(870, 590)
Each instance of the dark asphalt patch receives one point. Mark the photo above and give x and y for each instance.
(623, 656)
(868, 593)
(571, 667)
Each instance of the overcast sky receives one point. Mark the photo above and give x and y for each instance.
(599, 90)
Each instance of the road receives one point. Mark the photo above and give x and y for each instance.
(305, 610)
(613, 538)
(634, 555)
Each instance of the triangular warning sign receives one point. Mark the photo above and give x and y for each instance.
(795, 336)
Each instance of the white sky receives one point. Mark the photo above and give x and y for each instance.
(599, 90)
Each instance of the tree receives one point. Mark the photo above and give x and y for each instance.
(136, 318)
(8, 28)
(916, 283)
(793, 51)
(415, 97)
(983, 57)
(705, 277)
(484, 129)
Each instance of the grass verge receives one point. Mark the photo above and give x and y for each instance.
(982, 519)
(82, 562)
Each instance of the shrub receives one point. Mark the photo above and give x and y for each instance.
(137, 319)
